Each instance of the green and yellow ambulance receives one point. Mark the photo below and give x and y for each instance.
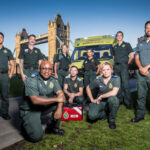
(101, 45)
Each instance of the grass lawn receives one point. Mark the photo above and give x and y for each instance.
(82, 135)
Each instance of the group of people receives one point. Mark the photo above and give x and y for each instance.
(47, 91)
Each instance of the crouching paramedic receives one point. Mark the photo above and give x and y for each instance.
(107, 87)
(73, 87)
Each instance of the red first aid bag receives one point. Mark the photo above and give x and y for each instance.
(74, 113)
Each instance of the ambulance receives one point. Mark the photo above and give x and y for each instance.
(101, 45)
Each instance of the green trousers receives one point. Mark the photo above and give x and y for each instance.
(61, 76)
(31, 120)
(78, 99)
(121, 70)
(98, 111)
(143, 84)
(4, 89)
(89, 76)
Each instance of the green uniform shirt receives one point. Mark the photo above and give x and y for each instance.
(5, 56)
(121, 53)
(90, 64)
(64, 61)
(143, 50)
(73, 85)
(30, 58)
(102, 88)
(36, 87)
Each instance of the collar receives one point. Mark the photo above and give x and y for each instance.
(41, 79)
(64, 55)
(90, 59)
(147, 41)
(102, 79)
(75, 78)
(121, 43)
(2, 48)
(30, 49)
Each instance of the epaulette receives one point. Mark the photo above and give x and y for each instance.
(34, 74)
(113, 76)
(53, 77)
(114, 45)
(79, 79)
(98, 77)
(68, 76)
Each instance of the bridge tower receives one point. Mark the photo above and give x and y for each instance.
(58, 33)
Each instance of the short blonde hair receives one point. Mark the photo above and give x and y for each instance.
(107, 63)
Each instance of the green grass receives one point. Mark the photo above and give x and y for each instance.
(16, 87)
(82, 135)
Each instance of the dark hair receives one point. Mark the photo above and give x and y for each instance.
(119, 32)
(2, 34)
(147, 23)
(31, 36)
(74, 67)
(63, 45)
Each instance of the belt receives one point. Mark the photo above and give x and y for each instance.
(90, 70)
(3, 72)
(64, 69)
(121, 63)
(31, 68)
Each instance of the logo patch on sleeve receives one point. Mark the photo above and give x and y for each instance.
(51, 85)
(110, 85)
(5, 51)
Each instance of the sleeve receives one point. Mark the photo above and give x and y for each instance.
(56, 86)
(21, 54)
(10, 56)
(81, 84)
(97, 62)
(54, 59)
(129, 48)
(137, 50)
(83, 65)
(31, 88)
(116, 82)
(113, 52)
(94, 84)
(40, 56)
(57, 58)
(69, 60)
(65, 81)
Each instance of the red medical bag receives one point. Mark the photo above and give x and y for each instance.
(72, 113)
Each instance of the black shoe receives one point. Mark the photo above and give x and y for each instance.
(6, 116)
(129, 107)
(134, 120)
(112, 126)
(104, 118)
(55, 131)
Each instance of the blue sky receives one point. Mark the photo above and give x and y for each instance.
(86, 18)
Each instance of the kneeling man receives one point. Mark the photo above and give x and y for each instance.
(43, 96)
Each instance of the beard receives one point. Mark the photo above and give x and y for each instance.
(147, 34)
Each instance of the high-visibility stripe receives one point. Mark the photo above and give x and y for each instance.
(78, 110)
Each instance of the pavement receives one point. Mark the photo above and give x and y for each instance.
(10, 130)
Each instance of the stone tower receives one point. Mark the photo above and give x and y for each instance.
(57, 28)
